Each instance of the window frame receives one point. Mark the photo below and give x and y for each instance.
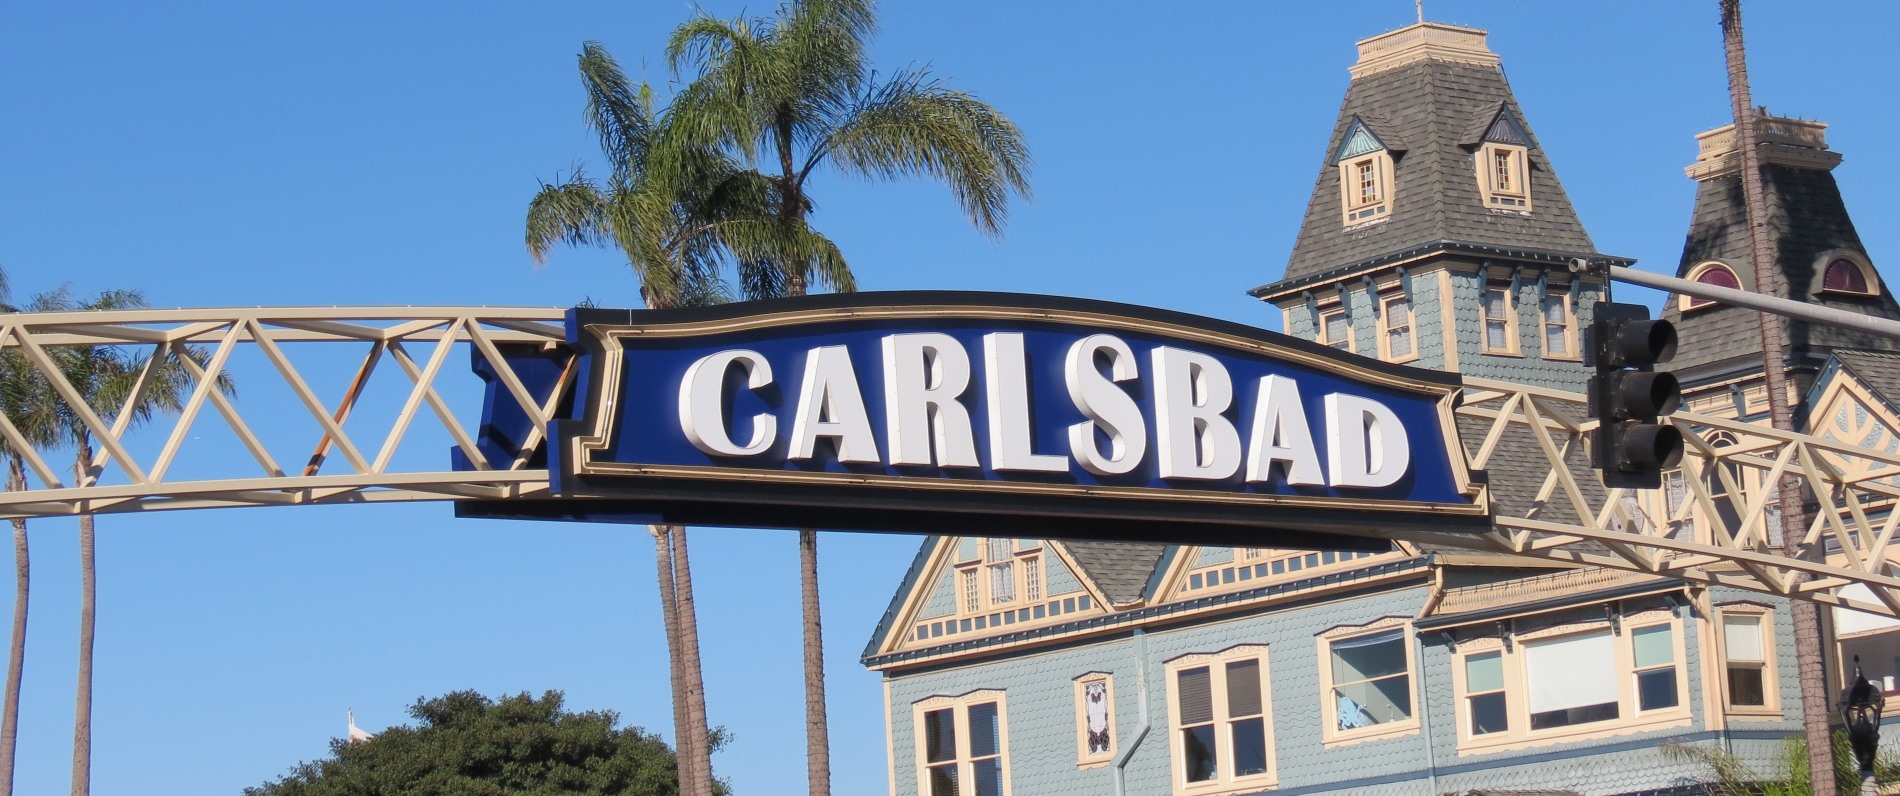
(1083, 758)
(1354, 209)
(1331, 310)
(1463, 693)
(1827, 260)
(1224, 780)
(1770, 676)
(1509, 198)
(1330, 733)
(1387, 297)
(1687, 303)
(1513, 344)
(960, 707)
(1565, 296)
(1518, 734)
(1019, 561)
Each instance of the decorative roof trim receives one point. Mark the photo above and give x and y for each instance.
(1360, 139)
(1274, 291)
(1422, 42)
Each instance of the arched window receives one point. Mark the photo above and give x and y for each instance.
(1844, 276)
(1709, 273)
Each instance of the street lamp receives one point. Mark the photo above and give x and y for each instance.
(1861, 704)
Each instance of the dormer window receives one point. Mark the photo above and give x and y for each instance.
(1365, 175)
(1504, 164)
(1846, 273)
(1709, 273)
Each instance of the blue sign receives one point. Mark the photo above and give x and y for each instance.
(918, 411)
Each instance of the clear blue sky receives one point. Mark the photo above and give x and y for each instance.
(354, 153)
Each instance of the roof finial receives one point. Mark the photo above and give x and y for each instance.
(1421, 10)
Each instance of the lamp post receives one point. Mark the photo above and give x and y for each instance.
(1861, 704)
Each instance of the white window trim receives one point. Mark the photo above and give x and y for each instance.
(1224, 782)
(1339, 309)
(1082, 757)
(1685, 302)
(1386, 299)
(961, 707)
(1353, 209)
(1330, 733)
(1020, 561)
(1770, 675)
(1516, 198)
(1517, 682)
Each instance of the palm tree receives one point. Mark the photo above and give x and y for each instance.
(1763, 251)
(22, 395)
(678, 212)
(798, 90)
(109, 381)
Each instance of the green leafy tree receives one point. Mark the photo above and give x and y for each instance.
(470, 745)
(1729, 776)
(111, 382)
(23, 400)
(797, 92)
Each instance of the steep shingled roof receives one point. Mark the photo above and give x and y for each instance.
(1432, 105)
(1805, 206)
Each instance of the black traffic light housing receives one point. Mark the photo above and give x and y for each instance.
(1627, 396)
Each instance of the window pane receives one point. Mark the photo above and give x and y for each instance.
(983, 730)
(1250, 747)
(1243, 688)
(1095, 709)
(1494, 335)
(1376, 702)
(943, 780)
(1572, 672)
(987, 776)
(1002, 582)
(1656, 689)
(1745, 686)
(1369, 656)
(1032, 579)
(1197, 753)
(940, 736)
(1655, 645)
(1197, 698)
(1741, 638)
(998, 550)
(1399, 312)
(1484, 673)
(1399, 342)
(1578, 715)
(1494, 303)
(1556, 340)
(1337, 331)
(1488, 714)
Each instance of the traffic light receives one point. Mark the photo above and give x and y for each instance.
(1627, 395)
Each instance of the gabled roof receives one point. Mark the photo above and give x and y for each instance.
(1434, 106)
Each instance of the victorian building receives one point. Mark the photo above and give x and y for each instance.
(1438, 235)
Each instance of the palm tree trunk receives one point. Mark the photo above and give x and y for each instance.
(16, 658)
(682, 730)
(817, 730)
(88, 608)
(1763, 257)
(695, 690)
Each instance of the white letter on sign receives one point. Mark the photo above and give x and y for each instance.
(1105, 405)
(1008, 392)
(923, 376)
(1280, 434)
(1366, 445)
(1191, 392)
(829, 405)
(702, 404)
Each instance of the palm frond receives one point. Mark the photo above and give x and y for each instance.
(915, 126)
(617, 111)
(569, 213)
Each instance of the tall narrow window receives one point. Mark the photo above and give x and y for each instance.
(1747, 660)
(1220, 719)
(1572, 680)
(1094, 719)
(1557, 324)
(1368, 181)
(1002, 569)
(972, 601)
(1504, 178)
(1655, 656)
(961, 745)
(1396, 316)
(1032, 578)
(1486, 708)
(1336, 330)
(1372, 683)
(1500, 320)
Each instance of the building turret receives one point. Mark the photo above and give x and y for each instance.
(1438, 234)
